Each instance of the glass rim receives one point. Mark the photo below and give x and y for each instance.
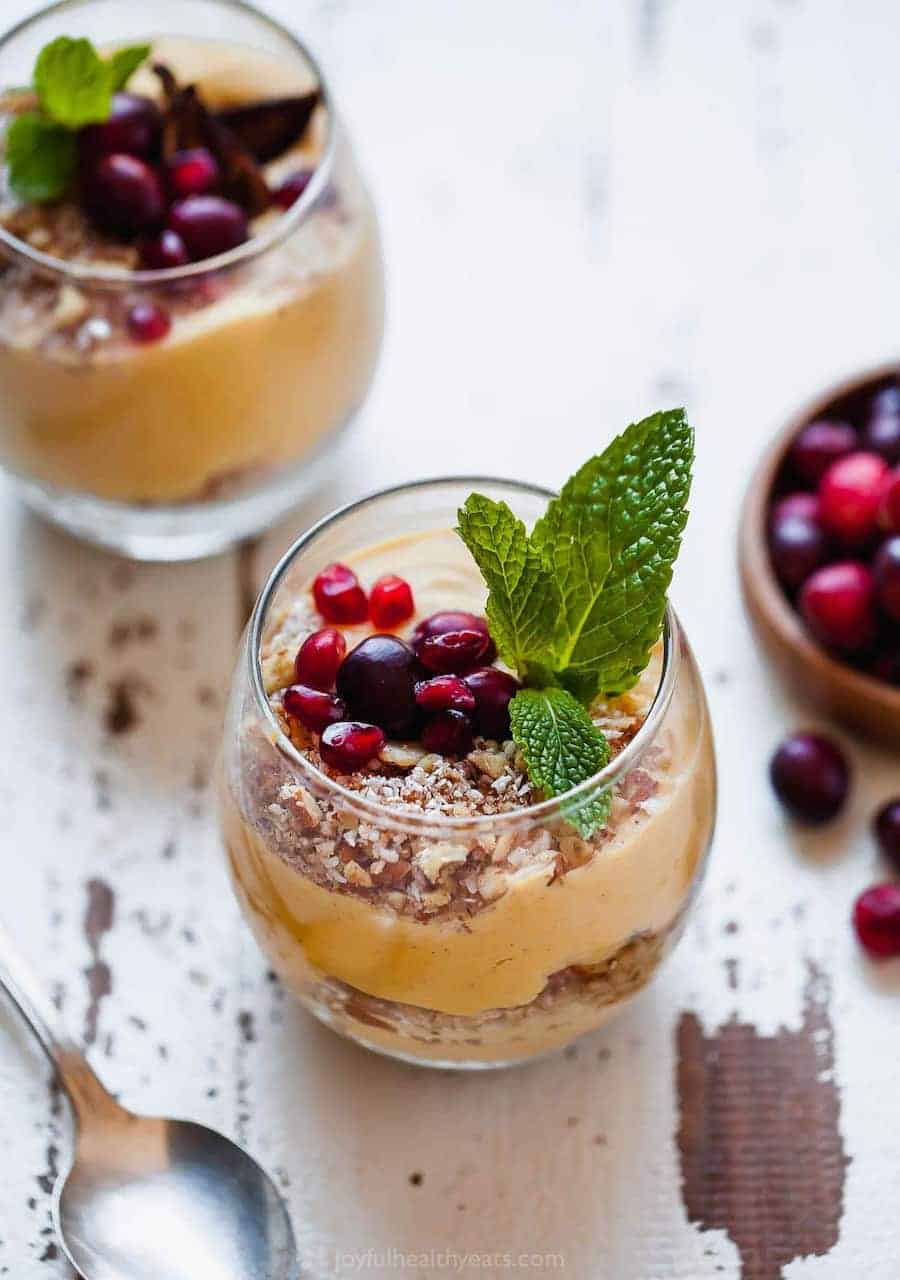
(420, 822)
(246, 252)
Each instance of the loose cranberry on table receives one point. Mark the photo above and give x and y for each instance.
(797, 542)
(449, 734)
(887, 832)
(445, 693)
(850, 495)
(290, 191)
(838, 605)
(133, 127)
(377, 680)
(810, 776)
(886, 574)
(494, 690)
(350, 745)
(208, 225)
(312, 707)
(147, 322)
(454, 620)
(162, 252)
(876, 918)
(319, 657)
(123, 196)
(391, 601)
(191, 173)
(818, 446)
(338, 595)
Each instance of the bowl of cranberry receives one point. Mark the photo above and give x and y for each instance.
(819, 552)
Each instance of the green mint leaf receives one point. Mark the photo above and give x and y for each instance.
(562, 747)
(73, 82)
(523, 601)
(612, 537)
(122, 64)
(41, 157)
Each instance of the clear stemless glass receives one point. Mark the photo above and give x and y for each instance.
(177, 448)
(458, 940)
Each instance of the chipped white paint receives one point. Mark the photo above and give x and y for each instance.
(589, 210)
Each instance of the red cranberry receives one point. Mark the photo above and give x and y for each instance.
(453, 651)
(849, 496)
(805, 505)
(208, 225)
(319, 657)
(838, 605)
(148, 322)
(338, 595)
(886, 572)
(887, 832)
(448, 734)
(312, 707)
(377, 681)
(797, 546)
(818, 446)
(133, 127)
(391, 601)
(445, 693)
(876, 918)
(159, 253)
(123, 195)
(454, 620)
(191, 173)
(494, 690)
(292, 188)
(889, 507)
(350, 745)
(810, 777)
(882, 435)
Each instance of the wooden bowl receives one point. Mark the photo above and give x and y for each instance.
(863, 702)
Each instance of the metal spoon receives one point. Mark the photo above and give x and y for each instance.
(147, 1197)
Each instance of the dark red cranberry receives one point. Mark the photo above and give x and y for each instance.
(377, 681)
(319, 657)
(208, 225)
(448, 734)
(123, 196)
(191, 173)
(454, 620)
(876, 918)
(494, 690)
(148, 322)
(838, 605)
(886, 572)
(818, 446)
(805, 505)
(887, 832)
(810, 777)
(160, 253)
(882, 435)
(889, 506)
(338, 595)
(350, 745)
(850, 495)
(292, 188)
(313, 707)
(453, 651)
(445, 693)
(133, 128)
(391, 601)
(797, 545)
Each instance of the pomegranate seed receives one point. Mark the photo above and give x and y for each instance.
(849, 496)
(448, 734)
(338, 595)
(191, 173)
(887, 832)
(805, 505)
(312, 707)
(292, 188)
(377, 681)
(818, 446)
(876, 918)
(161, 252)
(390, 601)
(319, 657)
(148, 322)
(494, 690)
(445, 693)
(133, 127)
(886, 572)
(123, 195)
(797, 546)
(810, 776)
(349, 745)
(838, 605)
(208, 225)
(889, 506)
(454, 620)
(452, 651)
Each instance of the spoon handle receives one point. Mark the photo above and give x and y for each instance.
(79, 1081)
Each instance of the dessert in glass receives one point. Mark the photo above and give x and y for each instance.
(192, 315)
(406, 878)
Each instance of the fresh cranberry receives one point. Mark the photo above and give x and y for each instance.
(882, 435)
(148, 322)
(208, 225)
(454, 620)
(445, 693)
(292, 188)
(887, 832)
(889, 506)
(123, 195)
(886, 572)
(191, 173)
(838, 605)
(312, 707)
(818, 446)
(494, 690)
(849, 497)
(377, 681)
(797, 545)
(338, 595)
(350, 745)
(876, 918)
(133, 128)
(448, 734)
(805, 505)
(810, 777)
(453, 651)
(319, 657)
(160, 253)
(391, 601)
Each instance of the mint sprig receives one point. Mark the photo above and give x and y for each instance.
(41, 157)
(576, 607)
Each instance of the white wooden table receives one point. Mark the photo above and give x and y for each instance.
(590, 210)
